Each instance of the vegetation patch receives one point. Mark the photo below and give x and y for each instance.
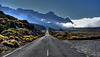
(11, 43)
(15, 32)
(1, 49)
(73, 35)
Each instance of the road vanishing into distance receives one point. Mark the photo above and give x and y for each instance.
(46, 46)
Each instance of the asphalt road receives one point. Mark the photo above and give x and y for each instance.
(47, 46)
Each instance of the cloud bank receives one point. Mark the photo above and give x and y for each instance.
(84, 22)
(87, 22)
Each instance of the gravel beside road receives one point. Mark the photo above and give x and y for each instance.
(89, 47)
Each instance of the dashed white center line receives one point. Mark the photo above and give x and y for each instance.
(47, 52)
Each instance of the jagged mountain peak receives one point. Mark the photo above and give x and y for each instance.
(19, 9)
(67, 18)
(50, 13)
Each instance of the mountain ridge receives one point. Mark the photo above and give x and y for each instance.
(32, 16)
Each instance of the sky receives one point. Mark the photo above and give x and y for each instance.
(83, 13)
(75, 9)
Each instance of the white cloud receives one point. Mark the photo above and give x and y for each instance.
(43, 20)
(65, 25)
(84, 22)
(49, 22)
(87, 22)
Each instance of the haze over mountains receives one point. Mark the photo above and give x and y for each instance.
(49, 19)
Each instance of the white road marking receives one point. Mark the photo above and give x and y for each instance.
(47, 52)
(15, 50)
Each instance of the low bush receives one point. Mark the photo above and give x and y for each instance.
(75, 37)
(15, 32)
(22, 31)
(35, 37)
(16, 38)
(11, 43)
(16, 44)
(11, 37)
(5, 42)
(21, 43)
(8, 32)
(57, 34)
(1, 28)
(59, 37)
(1, 37)
(28, 38)
(1, 49)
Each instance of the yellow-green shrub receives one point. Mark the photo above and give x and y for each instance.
(5, 42)
(35, 37)
(5, 37)
(11, 37)
(31, 39)
(1, 36)
(59, 37)
(57, 34)
(1, 49)
(1, 28)
(15, 32)
(1, 39)
(16, 38)
(21, 43)
(76, 37)
(24, 39)
(16, 44)
(73, 37)
(28, 38)
(11, 43)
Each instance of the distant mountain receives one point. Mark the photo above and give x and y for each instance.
(49, 19)
(78, 28)
(40, 27)
(90, 28)
(83, 28)
(52, 29)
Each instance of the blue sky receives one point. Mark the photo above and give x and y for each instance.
(75, 9)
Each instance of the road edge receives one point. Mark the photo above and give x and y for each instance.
(16, 50)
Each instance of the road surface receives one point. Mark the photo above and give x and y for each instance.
(47, 46)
